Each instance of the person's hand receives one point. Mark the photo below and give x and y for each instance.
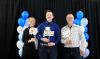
(33, 39)
(29, 41)
(51, 44)
(81, 52)
(45, 40)
(69, 42)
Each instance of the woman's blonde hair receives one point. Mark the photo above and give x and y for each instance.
(30, 19)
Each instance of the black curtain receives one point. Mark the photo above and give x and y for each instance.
(10, 11)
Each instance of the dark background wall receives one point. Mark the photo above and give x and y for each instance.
(10, 11)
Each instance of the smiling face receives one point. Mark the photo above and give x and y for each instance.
(49, 16)
(70, 19)
(31, 21)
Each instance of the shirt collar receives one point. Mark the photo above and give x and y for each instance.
(48, 22)
(74, 25)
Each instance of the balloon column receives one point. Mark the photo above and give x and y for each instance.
(22, 22)
(83, 22)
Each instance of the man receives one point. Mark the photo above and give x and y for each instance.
(48, 36)
(73, 39)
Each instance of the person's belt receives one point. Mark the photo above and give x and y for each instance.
(43, 44)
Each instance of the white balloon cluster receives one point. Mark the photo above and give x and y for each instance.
(20, 42)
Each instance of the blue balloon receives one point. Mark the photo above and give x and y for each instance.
(77, 21)
(79, 15)
(86, 29)
(25, 14)
(86, 36)
(21, 22)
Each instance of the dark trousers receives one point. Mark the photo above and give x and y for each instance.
(29, 52)
(48, 52)
(72, 53)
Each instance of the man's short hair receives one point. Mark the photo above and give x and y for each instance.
(49, 11)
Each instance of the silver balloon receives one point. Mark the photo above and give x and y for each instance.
(20, 36)
(19, 29)
(87, 52)
(84, 22)
(20, 52)
(19, 44)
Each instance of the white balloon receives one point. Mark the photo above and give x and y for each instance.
(20, 52)
(84, 22)
(20, 44)
(83, 29)
(20, 36)
(19, 29)
(86, 53)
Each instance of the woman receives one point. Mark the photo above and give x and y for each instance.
(29, 39)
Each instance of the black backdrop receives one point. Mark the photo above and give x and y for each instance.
(10, 11)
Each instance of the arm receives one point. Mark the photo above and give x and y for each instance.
(39, 34)
(25, 36)
(57, 35)
(63, 38)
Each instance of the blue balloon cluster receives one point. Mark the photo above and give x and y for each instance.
(77, 21)
(22, 19)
